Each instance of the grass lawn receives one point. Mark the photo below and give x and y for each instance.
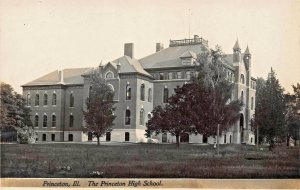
(147, 161)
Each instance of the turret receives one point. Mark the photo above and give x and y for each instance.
(236, 52)
(247, 58)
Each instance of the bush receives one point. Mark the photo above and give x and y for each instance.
(26, 135)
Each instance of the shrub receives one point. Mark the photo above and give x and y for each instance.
(26, 135)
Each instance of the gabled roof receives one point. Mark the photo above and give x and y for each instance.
(170, 57)
(188, 54)
(70, 76)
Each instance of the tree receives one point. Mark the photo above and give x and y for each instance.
(270, 111)
(99, 114)
(213, 92)
(200, 106)
(14, 113)
(15, 116)
(293, 114)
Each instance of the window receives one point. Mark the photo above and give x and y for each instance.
(179, 75)
(109, 75)
(127, 117)
(126, 136)
(174, 75)
(224, 139)
(44, 137)
(252, 102)
(53, 120)
(70, 137)
(36, 120)
(53, 99)
(161, 76)
(128, 92)
(183, 76)
(52, 137)
(37, 99)
(142, 116)
(166, 76)
(149, 116)
(71, 100)
(45, 99)
(28, 100)
(111, 87)
(71, 124)
(143, 92)
(165, 95)
(242, 79)
(149, 95)
(242, 96)
(188, 75)
(45, 121)
(170, 75)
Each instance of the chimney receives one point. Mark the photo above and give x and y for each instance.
(159, 46)
(128, 49)
(61, 76)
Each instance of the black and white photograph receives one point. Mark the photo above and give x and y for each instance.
(150, 94)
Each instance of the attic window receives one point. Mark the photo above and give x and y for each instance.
(109, 75)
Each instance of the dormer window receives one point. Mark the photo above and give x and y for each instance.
(188, 58)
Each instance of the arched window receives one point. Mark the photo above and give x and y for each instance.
(149, 95)
(45, 99)
(128, 92)
(71, 100)
(242, 79)
(45, 121)
(53, 120)
(36, 120)
(71, 123)
(143, 92)
(252, 102)
(127, 117)
(109, 75)
(53, 99)
(142, 117)
(28, 100)
(37, 99)
(242, 96)
(165, 95)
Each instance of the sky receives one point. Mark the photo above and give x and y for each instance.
(40, 36)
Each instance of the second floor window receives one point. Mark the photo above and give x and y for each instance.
(71, 124)
(53, 99)
(45, 99)
(165, 95)
(127, 117)
(143, 92)
(37, 100)
(179, 75)
(252, 103)
(71, 100)
(36, 120)
(53, 120)
(242, 79)
(142, 117)
(45, 121)
(128, 92)
(242, 96)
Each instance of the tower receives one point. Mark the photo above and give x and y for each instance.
(247, 58)
(236, 52)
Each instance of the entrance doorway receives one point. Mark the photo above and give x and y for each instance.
(184, 137)
(242, 127)
(204, 140)
(164, 137)
(108, 134)
(90, 136)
